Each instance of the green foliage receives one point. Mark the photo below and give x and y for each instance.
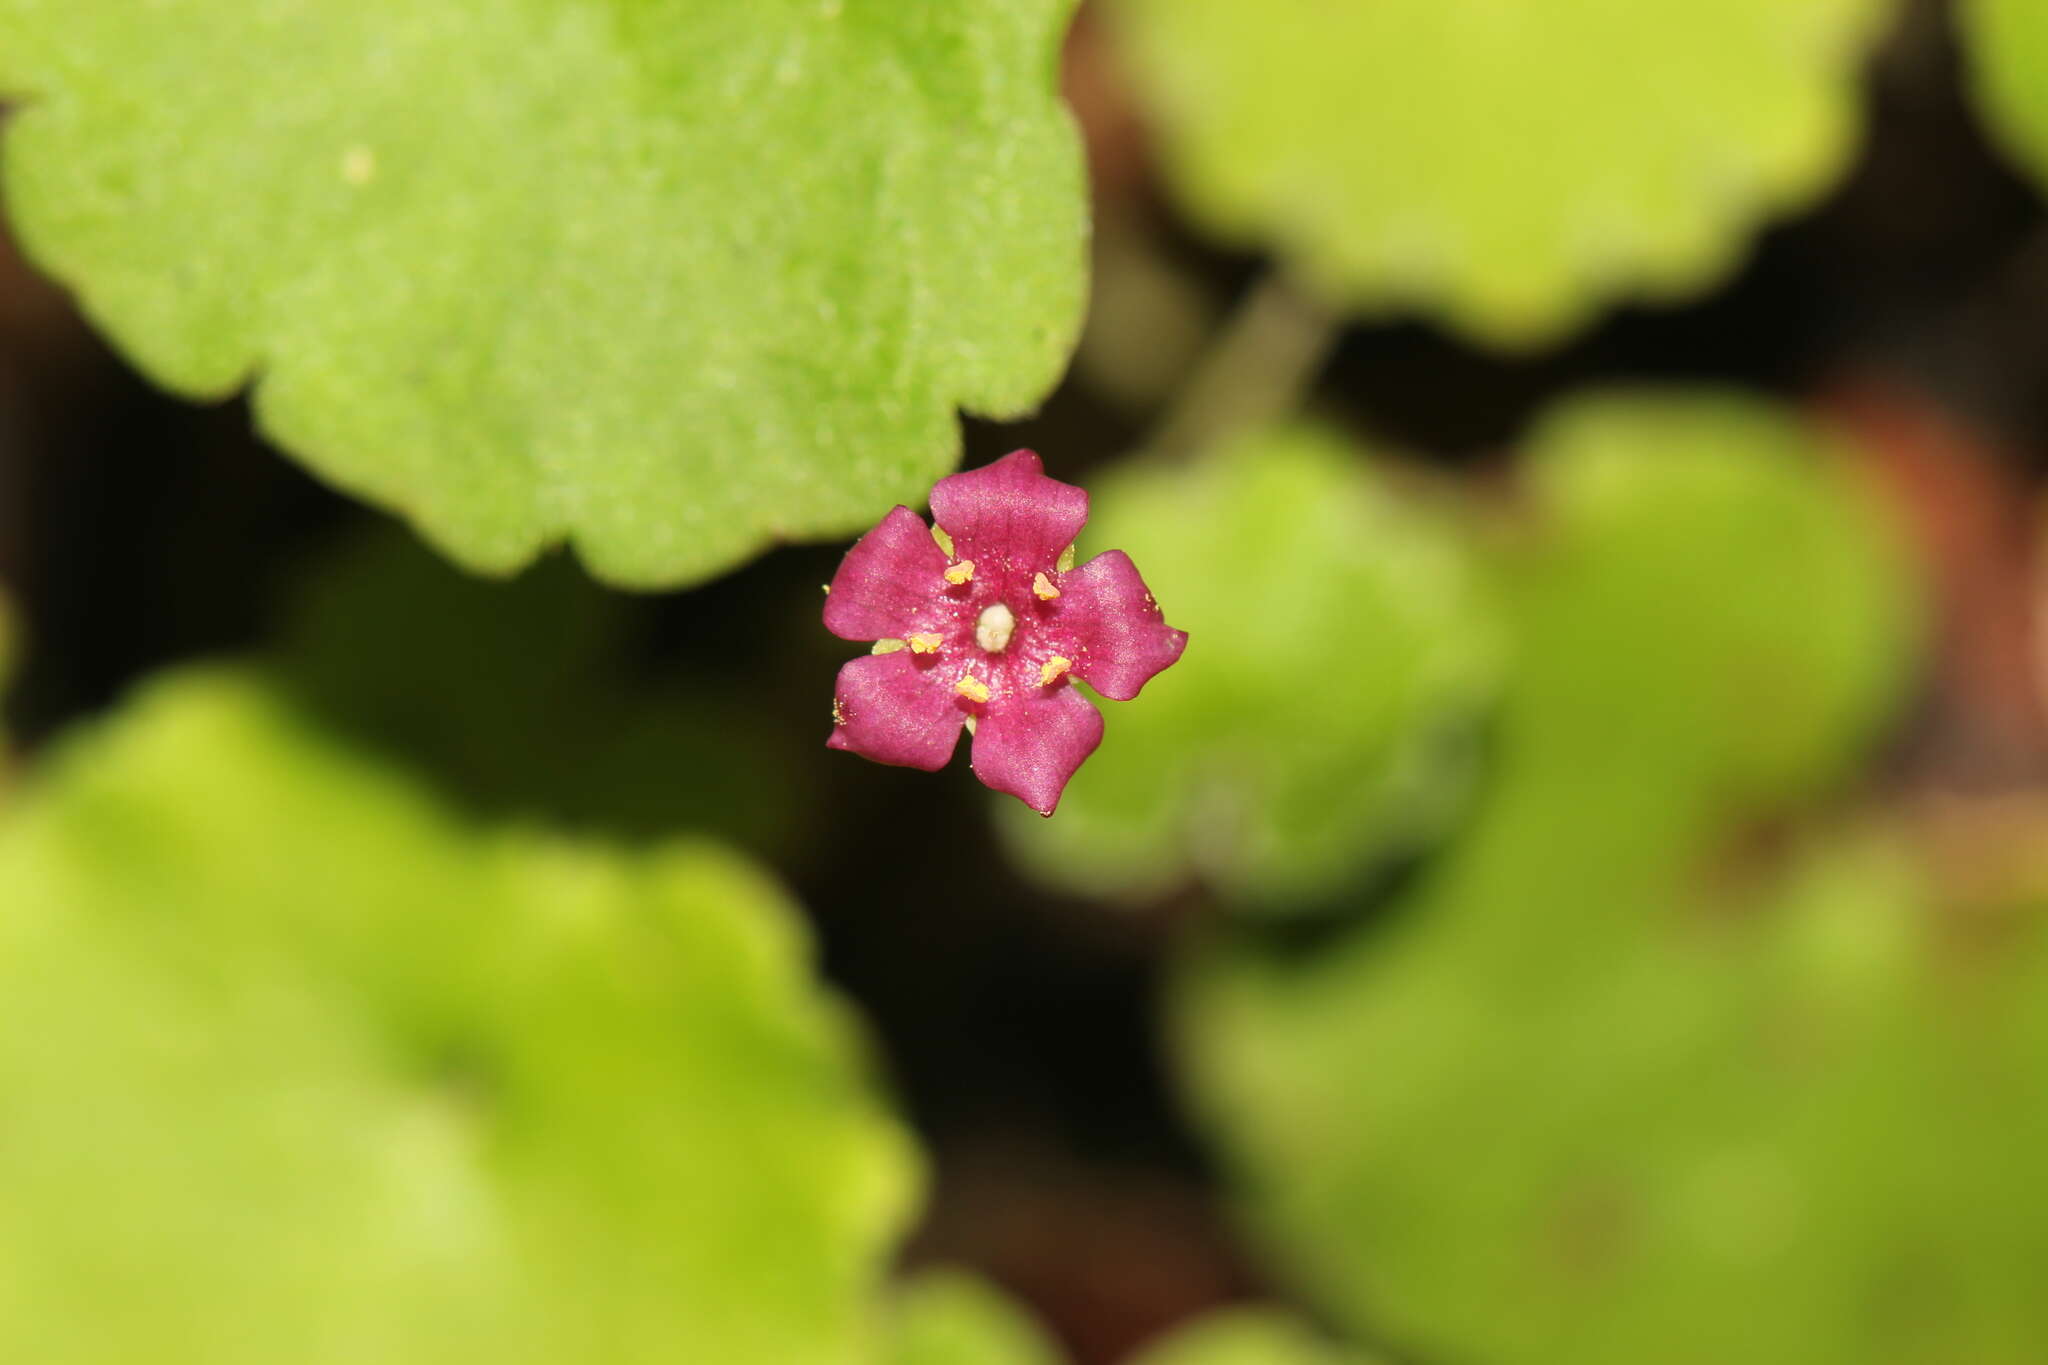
(1578, 1103)
(1714, 606)
(1322, 718)
(514, 695)
(1246, 1336)
(1507, 167)
(667, 280)
(948, 1317)
(7, 648)
(301, 1068)
(2007, 50)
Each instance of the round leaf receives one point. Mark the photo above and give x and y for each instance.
(300, 1068)
(667, 280)
(1322, 718)
(2007, 44)
(1571, 1100)
(1510, 167)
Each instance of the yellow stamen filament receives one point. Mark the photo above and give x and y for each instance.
(972, 688)
(1044, 588)
(963, 572)
(1066, 559)
(1051, 669)
(945, 541)
(886, 646)
(926, 643)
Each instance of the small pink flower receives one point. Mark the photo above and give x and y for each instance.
(983, 623)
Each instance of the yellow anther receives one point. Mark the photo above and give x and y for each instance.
(1051, 669)
(838, 712)
(945, 541)
(1044, 588)
(971, 687)
(926, 643)
(886, 646)
(963, 572)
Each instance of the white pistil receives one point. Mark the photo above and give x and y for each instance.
(992, 632)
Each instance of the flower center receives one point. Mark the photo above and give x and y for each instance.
(992, 631)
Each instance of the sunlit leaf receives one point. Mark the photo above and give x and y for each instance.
(949, 1317)
(1323, 717)
(1610, 1069)
(1507, 167)
(298, 1067)
(667, 280)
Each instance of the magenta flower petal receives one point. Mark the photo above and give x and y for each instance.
(991, 627)
(1030, 743)
(1119, 637)
(884, 586)
(1010, 512)
(894, 708)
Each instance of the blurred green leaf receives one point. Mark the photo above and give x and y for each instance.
(517, 695)
(1714, 609)
(7, 648)
(949, 1317)
(670, 281)
(1322, 720)
(1246, 1336)
(2006, 43)
(1577, 1102)
(1509, 168)
(297, 1067)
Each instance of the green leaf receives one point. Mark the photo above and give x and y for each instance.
(2006, 42)
(1321, 720)
(1601, 1075)
(1507, 168)
(523, 698)
(1791, 1099)
(1717, 605)
(1246, 1336)
(667, 280)
(7, 649)
(299, 1067)
(949, 1317)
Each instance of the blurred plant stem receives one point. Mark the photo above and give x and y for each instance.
(1255, 371)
